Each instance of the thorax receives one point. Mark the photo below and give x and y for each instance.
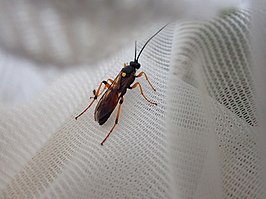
(127, 78)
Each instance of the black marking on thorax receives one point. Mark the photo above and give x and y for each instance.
(128, 70)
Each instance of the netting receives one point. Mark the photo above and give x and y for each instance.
(199, 142)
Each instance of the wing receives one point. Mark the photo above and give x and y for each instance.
(108, 102)
(110, 98)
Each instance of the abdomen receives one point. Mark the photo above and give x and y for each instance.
(106, 106)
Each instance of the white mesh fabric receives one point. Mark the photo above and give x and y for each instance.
(197, 143)
(213, 57)
(69, 145)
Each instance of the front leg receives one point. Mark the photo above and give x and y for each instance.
(146, 77)
(141, 91)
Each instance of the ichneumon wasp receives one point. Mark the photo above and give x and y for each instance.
(117, 88)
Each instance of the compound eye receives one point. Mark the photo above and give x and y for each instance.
(124, 74)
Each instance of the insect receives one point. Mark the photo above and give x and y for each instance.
(117, 88)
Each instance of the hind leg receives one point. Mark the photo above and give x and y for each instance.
(96, 95)
(116, 120)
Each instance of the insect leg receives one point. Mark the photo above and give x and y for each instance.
(110, 80)
(107, 85)
(116, 119)
(96, 94)
(141, 91)
(146, 77)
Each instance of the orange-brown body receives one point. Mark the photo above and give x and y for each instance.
(111, 97)
(117, 89)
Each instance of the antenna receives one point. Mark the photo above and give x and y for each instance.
(135, 50)
(148, 42)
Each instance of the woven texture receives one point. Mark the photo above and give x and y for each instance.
(199, 142)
